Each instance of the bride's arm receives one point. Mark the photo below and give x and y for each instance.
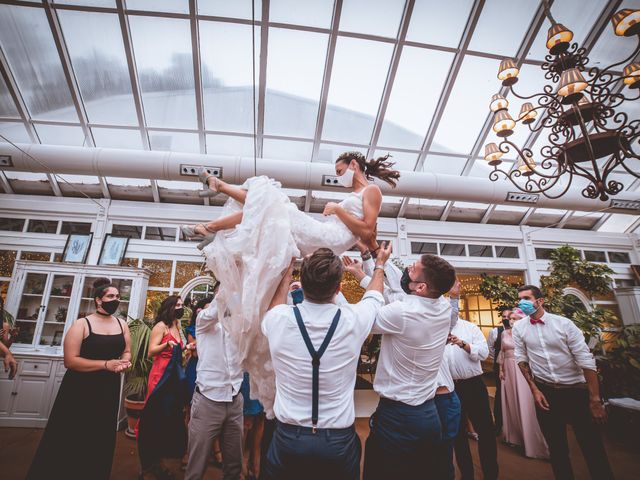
(365, 228)
(280, 295)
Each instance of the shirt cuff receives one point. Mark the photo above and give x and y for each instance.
(374, 294)
(364, 283)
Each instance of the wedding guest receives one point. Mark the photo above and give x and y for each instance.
(253, 429)
(494, 343)
(520, 426)
(10, 364)
(561, 372)
(161, 429)
(467, 348)
(80, 437)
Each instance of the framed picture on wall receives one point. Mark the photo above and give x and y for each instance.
(77, 247)
(113, 249)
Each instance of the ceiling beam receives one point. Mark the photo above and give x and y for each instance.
(456, 64)
(6, 185)
(324, 91)
(262, 78)
(633, 227)
(565, 218)
(487, 214)
(527, 214)
(601, 221)
(197, 73)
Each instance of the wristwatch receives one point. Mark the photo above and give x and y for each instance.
(464, 345)
(378, 267)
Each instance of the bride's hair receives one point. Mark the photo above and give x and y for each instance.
(379, 167)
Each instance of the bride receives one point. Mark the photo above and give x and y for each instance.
(258, 234)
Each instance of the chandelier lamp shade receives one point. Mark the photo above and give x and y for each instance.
(589, 134)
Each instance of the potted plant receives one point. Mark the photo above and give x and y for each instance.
(135, 387)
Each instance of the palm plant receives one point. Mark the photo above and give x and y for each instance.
(137, 376)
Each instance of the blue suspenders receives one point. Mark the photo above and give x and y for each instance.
(315, 359)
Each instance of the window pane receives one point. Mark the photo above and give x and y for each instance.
(7, 107)
(354, 97)
(160, 272)
(230, 145)
(504, 39)
(165, 234)
(287, 150)
(424, 247)
(28, 44)
(174, 141)
(294, 79)
(480, 251)
(453, 249)
(90, 3)
(185, 272)
(75, 227)
(12, 224)
(594, 256)
(7, 260)
(476, 79)
(566, 12)
(175, 6)
(433, 22)
(15, 132)
(60, 135)
(227, 78)
(401, 160)
(315, 14)
(443, 164)
(100, 64)
(611, 48)
(376, 17)
(35, 256)
(543, 253)
(328, 152)
(419, 80)
(507, 252)
(117, 138)
(131, 231)
(225, 8)
(162, 47)
(619, 257)
(618, 222)
(42, 226)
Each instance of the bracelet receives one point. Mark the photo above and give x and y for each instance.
(105, 365)
(366, 255)
(378, 267)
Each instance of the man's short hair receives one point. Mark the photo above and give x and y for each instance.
(320, 275)
(438, 273)
(537, 293)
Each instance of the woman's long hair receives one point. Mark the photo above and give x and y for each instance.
(199, 306)
(380, 167)
(166, 312)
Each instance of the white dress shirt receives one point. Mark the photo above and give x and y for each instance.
(218, 372)
(444, 378)
(491, 342)
(465, 365)
(556, 350)
(292, 361)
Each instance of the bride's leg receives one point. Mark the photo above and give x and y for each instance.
(217, 185)
(222, 223)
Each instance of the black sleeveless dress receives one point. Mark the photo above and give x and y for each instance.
(80, 436)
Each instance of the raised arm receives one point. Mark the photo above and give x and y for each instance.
(362, 228)
(280, 296)
(454, 300)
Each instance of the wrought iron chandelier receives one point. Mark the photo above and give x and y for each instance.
(585, 128)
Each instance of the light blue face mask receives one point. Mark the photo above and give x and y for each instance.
(527, 307)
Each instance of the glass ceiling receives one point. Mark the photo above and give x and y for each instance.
(409, 78)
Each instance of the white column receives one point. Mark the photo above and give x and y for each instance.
(99, 232)
(532, 276)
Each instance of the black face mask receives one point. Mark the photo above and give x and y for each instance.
(405, 281)
(506, 324)
(179, 313)
(110, 307)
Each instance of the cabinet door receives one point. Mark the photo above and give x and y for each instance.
(32, 302)
(56, 312)
(32, 399)
(7, 393)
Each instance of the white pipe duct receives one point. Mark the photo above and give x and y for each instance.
(301, 175)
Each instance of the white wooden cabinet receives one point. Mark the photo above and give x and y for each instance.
(45, 299)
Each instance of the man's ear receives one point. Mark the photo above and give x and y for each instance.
(339, 288)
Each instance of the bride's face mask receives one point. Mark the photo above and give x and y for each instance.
(346, 179)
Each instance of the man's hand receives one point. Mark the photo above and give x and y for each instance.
(541, 401)
(354, 267)
(455, 290)
(10, 365)
(598, 411)
(171, 344)
(330, 208)
(384, 253)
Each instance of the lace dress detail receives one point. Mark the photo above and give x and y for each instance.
(249, 262)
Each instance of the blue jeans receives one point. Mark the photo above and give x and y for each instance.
(297, 453)
(400, 436)
(448, 406)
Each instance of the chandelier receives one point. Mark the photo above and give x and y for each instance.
(587, 137)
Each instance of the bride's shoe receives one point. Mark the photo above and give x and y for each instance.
(209, 190)
(189, 231)
(206, 241)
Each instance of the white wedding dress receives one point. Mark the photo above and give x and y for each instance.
(249, 262)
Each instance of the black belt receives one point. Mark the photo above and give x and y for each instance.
(315, 359)
(313, 430)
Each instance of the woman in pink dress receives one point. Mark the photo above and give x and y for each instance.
(520, 426)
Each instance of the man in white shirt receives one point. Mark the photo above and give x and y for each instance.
(494, 342)
(561, 372)
(414, 331)
(216, 408)
(315, 348)
(467, 348)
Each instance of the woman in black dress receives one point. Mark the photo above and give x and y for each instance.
(80, 437)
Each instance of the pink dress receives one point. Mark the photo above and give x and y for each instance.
(519, 423)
